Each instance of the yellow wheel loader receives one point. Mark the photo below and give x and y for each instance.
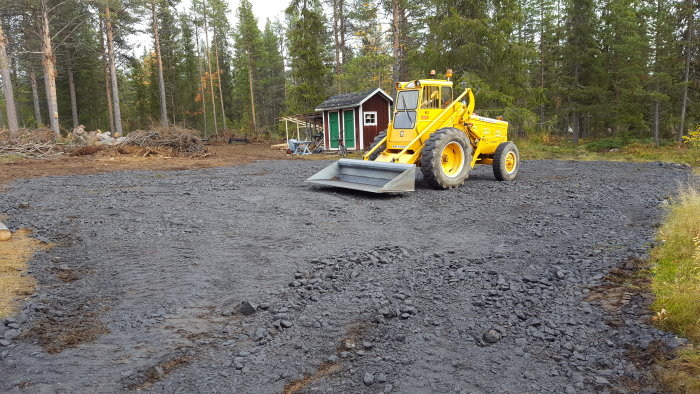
(435, 131)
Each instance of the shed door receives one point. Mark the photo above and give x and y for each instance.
(349, 128)
(334, 129)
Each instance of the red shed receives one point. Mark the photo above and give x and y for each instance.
(357, 116)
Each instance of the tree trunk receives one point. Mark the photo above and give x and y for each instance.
(252, 93)
(73, 101)
(161, 81)
(576, 126)
(201, 86)
(113, 73)
(48, 60)
(342, 31)
(105, 61)
(656, 123)
(336, 36)
(211, 77)
(221, 94)
(35, 99)
(7, 86)
(686, 77)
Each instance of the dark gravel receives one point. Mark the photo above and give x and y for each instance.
(247, 279)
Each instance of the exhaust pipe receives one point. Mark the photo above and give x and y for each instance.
(368, 176)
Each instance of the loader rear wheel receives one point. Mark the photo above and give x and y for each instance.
(446, 158)
(506, 161)
(375, 142)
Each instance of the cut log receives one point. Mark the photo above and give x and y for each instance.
(5, 233)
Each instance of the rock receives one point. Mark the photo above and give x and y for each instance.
(238, 363)
(4, 342)
(388, 388)
(11, 334)
(492, 336)
(381, 378)
(368, 379)
(259, 334)
(601, 380)
(332, 358)
(286, 323)
(247, 308)
(521, 342)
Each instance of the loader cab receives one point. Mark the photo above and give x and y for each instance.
(420, 102)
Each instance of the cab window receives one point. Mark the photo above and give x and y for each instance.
(431, 97)
(446, 96)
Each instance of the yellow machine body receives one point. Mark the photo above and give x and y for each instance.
(437, 108)
(433, 130)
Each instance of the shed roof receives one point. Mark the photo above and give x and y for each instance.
(349, 100)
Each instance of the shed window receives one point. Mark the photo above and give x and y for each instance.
(370, 118)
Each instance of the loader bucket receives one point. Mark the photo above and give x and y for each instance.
(369, 176)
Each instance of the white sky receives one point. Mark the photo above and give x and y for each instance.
(262, 9)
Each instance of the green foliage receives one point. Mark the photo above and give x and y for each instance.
(578, 69)
(309, 58)
(247, 62)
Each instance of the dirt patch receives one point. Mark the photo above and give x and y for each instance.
(629, 279)
(15, 283)
(324, 370)
(55, 335)
(626, 288)
(157, 372)
(88, 150)
(135, 158)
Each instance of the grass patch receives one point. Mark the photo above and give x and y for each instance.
(676, 284)
(15, 284)
(11, 158)
(540, 147)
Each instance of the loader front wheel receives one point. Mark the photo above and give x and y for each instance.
(375, 142)
(506, 161)
(446, 158)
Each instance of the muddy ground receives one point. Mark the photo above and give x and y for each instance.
(246, 279)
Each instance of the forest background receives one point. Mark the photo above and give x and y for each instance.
(572, 68)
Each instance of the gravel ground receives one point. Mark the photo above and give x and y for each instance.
(247, 279)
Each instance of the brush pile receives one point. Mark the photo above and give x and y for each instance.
(174, 138)
(39, 143)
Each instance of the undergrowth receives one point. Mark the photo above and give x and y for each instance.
(623, 148)
(676, 284)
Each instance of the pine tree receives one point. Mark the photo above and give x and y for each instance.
(307, 41)
(372, 67)
(248, 45)
(625, 54)
(581, 67)
(271, 80)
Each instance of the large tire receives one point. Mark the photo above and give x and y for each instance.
(376, 141)
(446, 158)
(506, 161)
